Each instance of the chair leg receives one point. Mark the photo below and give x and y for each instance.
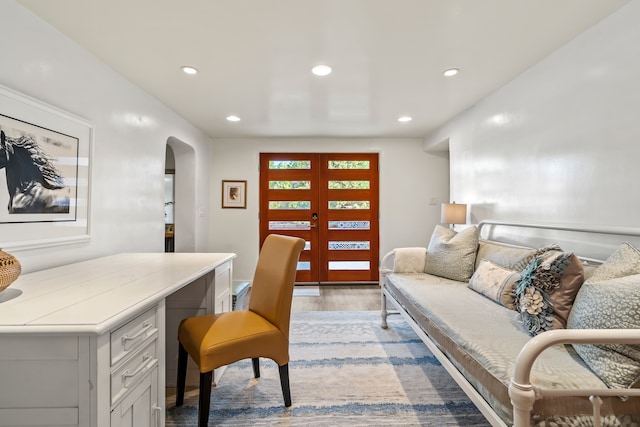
(204, 398)
(182, 374)
(256, 367)
(284, 382)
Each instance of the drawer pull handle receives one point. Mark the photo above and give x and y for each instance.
(126, 375)
(145, 327)
(157, 415)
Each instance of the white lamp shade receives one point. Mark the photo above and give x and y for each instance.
(452, 213)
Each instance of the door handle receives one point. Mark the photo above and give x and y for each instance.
(314, 217)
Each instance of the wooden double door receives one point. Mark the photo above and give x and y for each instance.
(331, 201)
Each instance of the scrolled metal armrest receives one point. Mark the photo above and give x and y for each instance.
(523, 394)
(536, 345)
(386, 265)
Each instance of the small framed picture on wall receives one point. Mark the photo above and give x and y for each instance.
(234, 194)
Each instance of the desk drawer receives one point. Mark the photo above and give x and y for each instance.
(129, 337)
(134, 370)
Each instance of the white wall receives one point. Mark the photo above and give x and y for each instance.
(561, 142)
(131, 132)
(409, 178)
(557, 144)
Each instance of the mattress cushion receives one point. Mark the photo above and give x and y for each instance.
(483, 340)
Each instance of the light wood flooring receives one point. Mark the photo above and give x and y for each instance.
(337, 298)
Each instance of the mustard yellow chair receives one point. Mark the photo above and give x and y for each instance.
(216, 340)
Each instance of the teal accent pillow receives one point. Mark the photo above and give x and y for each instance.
(546, 290)
(452, 255)
(610, 304)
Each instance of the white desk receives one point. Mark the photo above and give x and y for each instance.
(88, 344)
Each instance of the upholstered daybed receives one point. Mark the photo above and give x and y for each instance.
(507, 321)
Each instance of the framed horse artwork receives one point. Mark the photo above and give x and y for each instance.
(39, 181)
(44, 173)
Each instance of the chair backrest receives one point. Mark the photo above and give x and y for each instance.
(274, 278)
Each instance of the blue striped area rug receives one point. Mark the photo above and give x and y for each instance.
(344, 370)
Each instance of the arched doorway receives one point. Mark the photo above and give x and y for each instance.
(184, 207)
(169, 200)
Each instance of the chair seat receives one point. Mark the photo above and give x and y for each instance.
(216, 340)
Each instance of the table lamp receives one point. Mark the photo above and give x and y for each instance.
(452, 213)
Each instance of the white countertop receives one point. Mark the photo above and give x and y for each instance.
(95, 295)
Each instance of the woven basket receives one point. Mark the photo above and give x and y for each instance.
(9, 269)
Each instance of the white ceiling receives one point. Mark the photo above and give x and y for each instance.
(255, 56)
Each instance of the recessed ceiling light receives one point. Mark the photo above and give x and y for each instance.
(321, 70)
(404, 119)
(451, 72)
(233, 118)
(189, 70)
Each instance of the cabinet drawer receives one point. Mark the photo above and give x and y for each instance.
(140, 407)
(129, 337)
(126, 377)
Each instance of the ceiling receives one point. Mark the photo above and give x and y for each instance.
(254, 57)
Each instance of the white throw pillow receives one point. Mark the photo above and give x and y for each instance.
(495, 282)
(409, 260)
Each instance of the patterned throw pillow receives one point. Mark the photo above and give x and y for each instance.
(495, 282)
(610, 304)
(547, 289)
(623, 262)
(452, 255)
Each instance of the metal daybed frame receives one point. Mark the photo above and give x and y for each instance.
(523, 394)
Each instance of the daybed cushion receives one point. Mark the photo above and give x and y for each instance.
(452, 255)
(483, 339)
(610, 299)
(495, 282)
